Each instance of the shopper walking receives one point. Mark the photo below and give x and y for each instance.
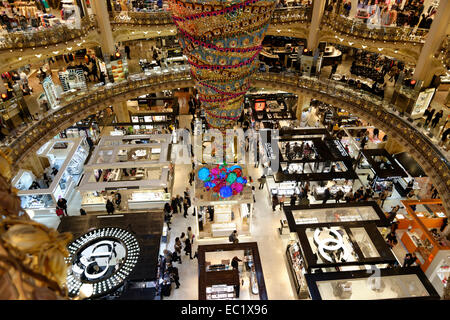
(233, 237)
(177, 249)
(293, 200)
(274, 202)
(190, 235)
(383, 197)
(409, 260)
(187, 196)
(235, 263)
(118, 199)
(167, 218)
(262, 182)
(333, 69)
(188, 248)
(327, 195)
(185, 208)
(429, 116)
(179, 202)
(437, 118)
(339, 195)
(82, 212)
(174, 205)
(62, 203)
(173, 273)
(393, 213)
(191, 177)
(109, 207)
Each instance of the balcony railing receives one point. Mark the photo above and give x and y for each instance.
(293, 14)
(141, 18)
(77, 101)
(52, 35)
(382, 33)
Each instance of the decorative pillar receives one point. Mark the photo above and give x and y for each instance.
(121, 112)
(33, 163)
(302, 104)
(313, 37)
(102, 17)
(353, 9)
(433, 41)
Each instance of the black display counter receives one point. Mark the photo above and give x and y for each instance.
(223, 274)
(394, 283)
(146, 228)
(332, 246)
(386, 170)
(335, 214)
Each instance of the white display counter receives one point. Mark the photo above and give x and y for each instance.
(148, 200)
(222, 229)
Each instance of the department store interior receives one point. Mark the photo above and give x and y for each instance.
(111, 119)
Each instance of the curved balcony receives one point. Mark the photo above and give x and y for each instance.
(53, 35)
(378, 33)
(364, 105)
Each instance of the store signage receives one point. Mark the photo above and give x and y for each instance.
(103, 258)
(330, 245)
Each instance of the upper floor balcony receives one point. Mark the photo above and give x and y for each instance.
(60, 33)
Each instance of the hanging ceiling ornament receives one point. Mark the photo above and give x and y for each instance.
(222, 40)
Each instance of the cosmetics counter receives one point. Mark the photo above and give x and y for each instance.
(297, 268)
(393, 283)
(219, 281)
(68, 156)
(384, 167)
(423, 237)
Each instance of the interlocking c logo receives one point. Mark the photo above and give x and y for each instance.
(93, 256)
(330, 245)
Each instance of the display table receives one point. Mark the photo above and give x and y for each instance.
(147, 200)
(91, 203)
(222, 229)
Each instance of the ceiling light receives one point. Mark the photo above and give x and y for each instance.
(38, 55)
(69, 48)
(55, 52)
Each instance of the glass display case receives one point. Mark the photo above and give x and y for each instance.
(23, 180)
(297, 268)
(37, 201)
(220, 292)
(383, 287)
(93, 201)
(145, 199)
(339, 214)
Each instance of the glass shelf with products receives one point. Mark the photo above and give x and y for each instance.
(297, 268)
(220, 292)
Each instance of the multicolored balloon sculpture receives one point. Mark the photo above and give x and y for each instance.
(222, 40)
(226, 181)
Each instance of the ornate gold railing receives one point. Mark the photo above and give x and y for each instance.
(361, 30)
(49, 36)
(140, 18)
(77, 102)
(280, 15)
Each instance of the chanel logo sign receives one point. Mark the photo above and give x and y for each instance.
(331, 245)
(103, 258)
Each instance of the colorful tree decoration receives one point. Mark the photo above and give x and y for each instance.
(222, 180)
(222, 40)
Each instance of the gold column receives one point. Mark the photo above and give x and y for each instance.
(302, 104)
(313, 37)
(438, 31)
(392, 146)
(35, 164)
(101, 14)
(121, 112)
